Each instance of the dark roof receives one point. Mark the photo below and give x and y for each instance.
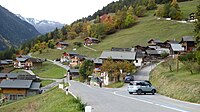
(26, 77)
(35, 60)
(95, 39)
(171, 41)
(62, 43)
(16, 84)
(151, 52)
(9, 75)
(140, 54)
(80, 56)
(187, 39)
(120, 49)
(118, 55)
(35, 86)
(155, 41)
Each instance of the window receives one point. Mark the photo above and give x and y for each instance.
(13, 97)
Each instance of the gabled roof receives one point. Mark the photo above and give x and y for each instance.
(25, 56)
(95, 39)
(26, 77)
(171, 41)
(74, 70)
(25, 84)
(3, 62)
(118, 55)
(9, 75)
(187, 39)
(97, 61)
(120, 49)
(62, 43)
(140, 54)
(176, 47)
(151, 52)
(35, 86)
(72, 53)
(21, 59)
(155, 41)
(80, 56)
(35, 60)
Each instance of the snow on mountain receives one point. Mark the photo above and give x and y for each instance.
(43, 26)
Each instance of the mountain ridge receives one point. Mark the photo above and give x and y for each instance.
(42, 26)
(13, 30)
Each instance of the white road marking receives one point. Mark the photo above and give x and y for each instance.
(168, 107)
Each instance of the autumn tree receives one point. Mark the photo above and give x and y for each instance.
(113, 68)
(171, 10)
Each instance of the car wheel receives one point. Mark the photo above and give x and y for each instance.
(139, 92)
(130, 92)
(153, 91)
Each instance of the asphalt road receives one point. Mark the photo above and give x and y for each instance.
(118, 100)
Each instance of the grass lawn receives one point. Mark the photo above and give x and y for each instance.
(54, 100)
(147, 28)
(180, 85)
(50, 70)
(115, 85)
(188, 7)
(20, 71)
(46, 82)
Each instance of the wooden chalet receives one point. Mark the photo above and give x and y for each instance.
(176, 48)
(154, 42)
(188, 43)
(90, 41)
(20, 62)
(61, 45)
(17, 89)
(32, 63)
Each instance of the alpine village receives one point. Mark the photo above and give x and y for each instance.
(92, 64)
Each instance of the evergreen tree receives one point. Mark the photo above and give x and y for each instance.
(86, 69)
(151, 5)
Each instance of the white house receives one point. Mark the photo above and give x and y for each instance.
(20, 62)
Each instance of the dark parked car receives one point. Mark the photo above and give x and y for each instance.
(129, 77)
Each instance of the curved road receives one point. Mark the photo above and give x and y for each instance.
(119, 100)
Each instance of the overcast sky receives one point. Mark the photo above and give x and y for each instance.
(64, 11)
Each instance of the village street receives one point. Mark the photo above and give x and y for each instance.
(119, 100)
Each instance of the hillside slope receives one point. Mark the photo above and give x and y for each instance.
(148, 27)
(13, 30)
